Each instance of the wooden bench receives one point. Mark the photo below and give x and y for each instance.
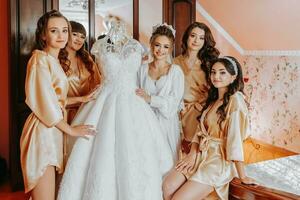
(237, 190)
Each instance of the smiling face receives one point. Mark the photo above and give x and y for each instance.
(56, 34)
(76, 41)
(161, 47)
(220, 77)
(196, 39)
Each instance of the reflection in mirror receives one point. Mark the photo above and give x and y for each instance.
(76, 10)
(110, 11)
(148, 19)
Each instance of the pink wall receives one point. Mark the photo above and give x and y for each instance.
(223, 45)
(274, 96)
(258, 24)
(4, 77)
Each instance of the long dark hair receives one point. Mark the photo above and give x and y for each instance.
(82, 53)
(41, 31)
(208, 53)
(236, 85)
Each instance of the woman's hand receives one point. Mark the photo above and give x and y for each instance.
(141, 93)
(91, 96)
(78, 131)
(248, 181)
(145, 58)
(187, 163)
(82, 131)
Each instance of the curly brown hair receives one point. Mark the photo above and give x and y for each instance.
(86, 59)
(208, 53)
(41, 31)
(236, 85)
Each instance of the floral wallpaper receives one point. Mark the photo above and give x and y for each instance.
(272, 85)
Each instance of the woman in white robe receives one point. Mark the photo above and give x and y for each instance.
(162, 85)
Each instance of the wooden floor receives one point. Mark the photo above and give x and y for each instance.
(255, 151)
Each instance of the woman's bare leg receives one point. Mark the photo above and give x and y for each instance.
(171, 183)
(45, 188)
(192, 190)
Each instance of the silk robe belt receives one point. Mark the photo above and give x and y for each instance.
(205, 142)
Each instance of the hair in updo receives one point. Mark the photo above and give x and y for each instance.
(162, 31)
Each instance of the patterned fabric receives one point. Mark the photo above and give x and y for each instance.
(281, 174)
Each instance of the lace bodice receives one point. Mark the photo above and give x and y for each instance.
(119, 63)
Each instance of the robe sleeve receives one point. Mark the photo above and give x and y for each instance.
(169, 104)
(237, 132)
(40, 94)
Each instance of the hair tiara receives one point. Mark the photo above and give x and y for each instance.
(235, 68)
(166, 25)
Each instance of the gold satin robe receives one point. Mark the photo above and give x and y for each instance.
(41, 143)
(80, 84)
(220, 147)
(195, 95)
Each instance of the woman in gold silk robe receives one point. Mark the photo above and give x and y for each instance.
(216, 154)
(198, 51)
(83, 76)
(46, 89)
(82, 72)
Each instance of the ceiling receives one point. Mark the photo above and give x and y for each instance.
(258, 24)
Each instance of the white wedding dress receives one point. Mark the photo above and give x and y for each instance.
(128, 157)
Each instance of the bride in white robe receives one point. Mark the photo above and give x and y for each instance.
(162, 85)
